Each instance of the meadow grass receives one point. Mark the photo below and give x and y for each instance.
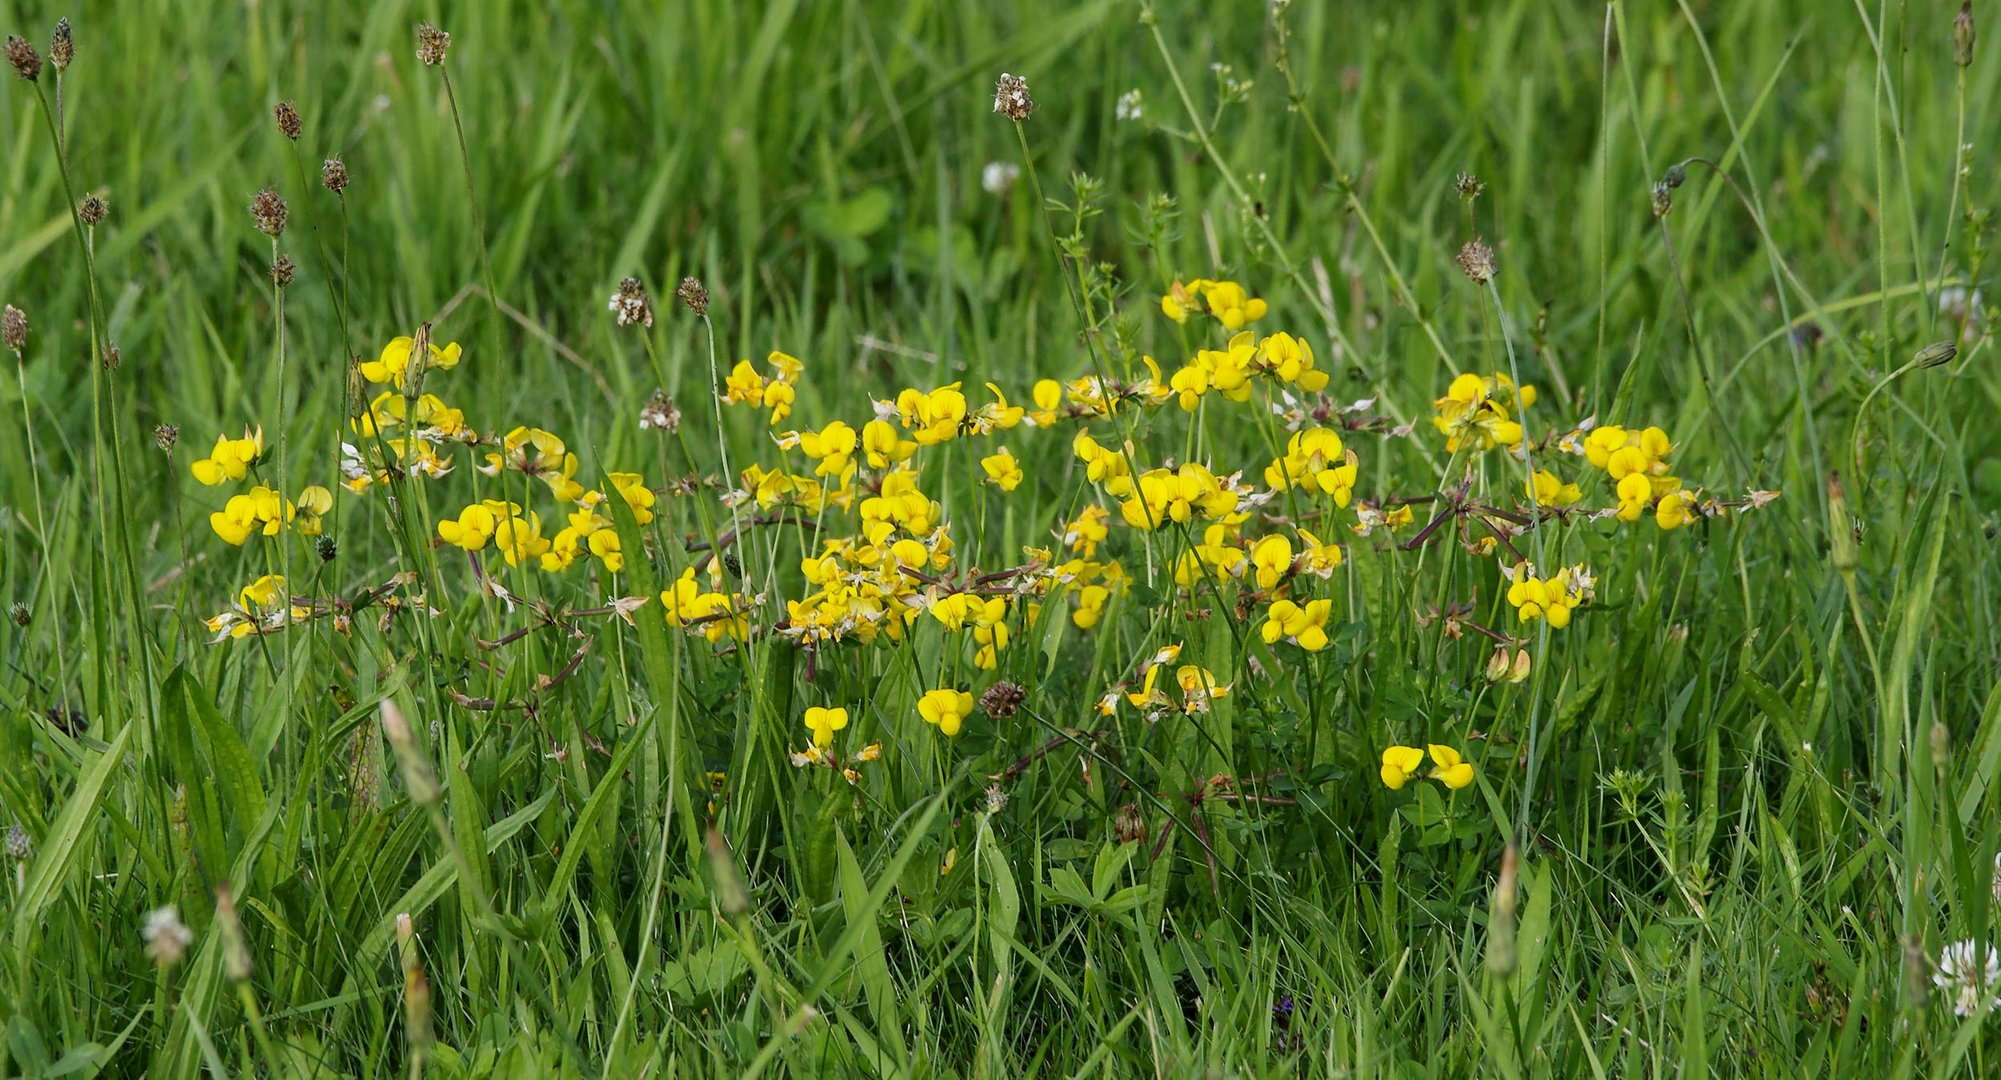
(432, 813)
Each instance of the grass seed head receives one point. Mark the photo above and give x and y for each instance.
(334, 175)
(62, 47)
(326, 548)
(694, 294)
(1468, 186)
(1002, 699)
(268, 210)
(93, 210)
(165, 436)
(22, 57)
(431, 44)
(630, 304)
(1962, 34)
(283, 270)
(1011, 98)
(1477, 260)
(287, 115)
(14, 328)
(22, 616)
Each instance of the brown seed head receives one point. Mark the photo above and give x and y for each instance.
(289, 124)
(113, 357)
(694, 294)
(431, 44)
(1962, 35)
(62, 47)
(660, 414)
(283, 270)
(22, 616)
(1663, 200)
(1011, 97)
(165, 436)
(14, 328)
(630, 305)
(1129, 824)
(22, 57)
(1477, 260)
(1468, 186)
(92, 210)
(334, 175)
(269, 211)
(1002, 699)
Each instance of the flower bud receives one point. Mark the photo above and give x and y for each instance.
(1938, 352)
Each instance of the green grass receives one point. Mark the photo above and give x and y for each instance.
(1752, 798)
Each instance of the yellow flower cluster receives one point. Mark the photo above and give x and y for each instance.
(745, 386)
(1479, 412)
(1228, 371)
(260, 608)
(1226, 300)
(1552, 598)
(1637, 463)
(1401, 765)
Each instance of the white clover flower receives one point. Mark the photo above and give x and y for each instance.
(999, 176)
(166, 937)
(1971, 974)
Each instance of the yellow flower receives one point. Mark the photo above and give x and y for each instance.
(1002, 469)
(1317, 463)
(883, 446)
(519, 537)
(1272, 558)
(823, 723)
(258, 511)
(231, 459)
(640, 498)
(1198, 688)
(945, 709)
(1476, 412)
(1320, 560)
(957, 610)
(1047, 394)
(1305, 626)
(475, 524)
(261, 605)
(1548, 490)
(1291, 360)
(1676, 508)
(394, 366)
(314, 502)
(1451, 771)
(1400, 764)
(1226, 300)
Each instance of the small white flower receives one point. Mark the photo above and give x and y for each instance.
(166, 937)
(1971, 974)
(999, 176)
(1130, 106)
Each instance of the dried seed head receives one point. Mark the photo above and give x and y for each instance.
(114, 358)
(18, 847)
(1663, 199)
(1011, 97)
(62, 47)
(283, 270)
(630, 305)
(22, 57)
(93, 210)
(1002, 699)
(165, 436)
(334, 175)
(694, 294)
(327, 548)
(1938, 352)
(288, 120)
(1468, 186)
(1477, 260)
(431, 44)
(14, 328)
(20, 614)
(660, 414)
(996, 799)
(269, 211)
(1129, 824)
(1962, 35)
